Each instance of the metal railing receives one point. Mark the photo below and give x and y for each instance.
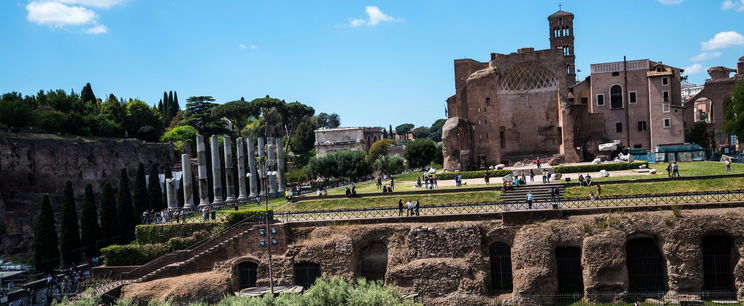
(720, 197)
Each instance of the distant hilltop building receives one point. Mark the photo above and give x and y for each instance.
(345, 138)
(526, 104)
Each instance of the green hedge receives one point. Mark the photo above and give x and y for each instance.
(161, 233)
(472, 174)
(236, 216)
(597, 168)
(140, 254)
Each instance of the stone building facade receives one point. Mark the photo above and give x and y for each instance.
(347, 138)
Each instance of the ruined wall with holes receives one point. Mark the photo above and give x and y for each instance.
(452, 262)
(34, 165)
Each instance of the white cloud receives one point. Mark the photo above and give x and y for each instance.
(59, 15)
(93, 3)
(97, 29)
(737, 6)
(705, 56)
(241, 46)
(253, 47)
(670, 2)
(374, 17)
(693, 69)
(723, 40)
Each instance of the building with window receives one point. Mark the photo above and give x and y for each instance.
(345, 138)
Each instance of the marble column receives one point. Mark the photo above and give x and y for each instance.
(241, 169)
(252, 167)
(201, 153)
(170, 194)
(271, 152)
(229, 179)
(280, 167)
(188, 190)
(262, 161)
(214, 145)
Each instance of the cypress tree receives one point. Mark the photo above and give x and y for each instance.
(89, 223)
(154, 193)
(161, 109)
(86, 95)
(141, 202)
(166, 108)
(69, 242)
(127, 220)
(46, 249)
(109, 221)
(175, 101)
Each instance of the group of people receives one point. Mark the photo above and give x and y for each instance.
(673, 169)
(585, 180)
(385, 188)
(351, 193)
(598, 195)
(429, 182)
(164, 216)
(412, 208)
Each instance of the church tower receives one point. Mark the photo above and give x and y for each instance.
(562, 37)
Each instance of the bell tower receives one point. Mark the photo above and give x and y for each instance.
(562, 37)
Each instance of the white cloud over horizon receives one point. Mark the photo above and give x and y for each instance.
(64, 13)
(670, 2)
(93, 3)
(97, 29)
(705, 56)
(694, 69)
(734, 5)
(375, 16)
(723, 40)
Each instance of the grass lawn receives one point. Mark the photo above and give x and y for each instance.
(403, 182)
(222, 213)
(666, 186)
(701, 168)
(392, 201)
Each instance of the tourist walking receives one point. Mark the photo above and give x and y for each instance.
(417, 206)
(379, 182)
(392, 183)
(529, 199)
(728, 166)
(487, 177)
(538, 162)
(532, 176)
(544, 176)
(400, 207)
(205, 212)
(675, 170)
(409, 206)
(669, 170)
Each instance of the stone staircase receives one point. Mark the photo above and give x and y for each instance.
(540, 192)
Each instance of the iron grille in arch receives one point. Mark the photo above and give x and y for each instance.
(501, 268)
(247, 274)
(718, 265)
(528, 76)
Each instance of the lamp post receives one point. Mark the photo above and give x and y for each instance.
(263, 175)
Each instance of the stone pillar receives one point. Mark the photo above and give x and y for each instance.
(201, 153)
(262, 161)
(252, 167)
(271, 166)
(170, 194)
(229, 179)
(188, 193)
(241, 169)
(280, 167)
(214, 145)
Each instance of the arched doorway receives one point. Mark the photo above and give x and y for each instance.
(718, 266)
(305, 273)
(570, 274)
(247, 274)
(646, 268)
(374, 258)
(501, 268)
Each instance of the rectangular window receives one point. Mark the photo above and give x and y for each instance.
(642, 126)
(665, 108)
(665, 96)
(600, 99)
(619, 127)
(488, 101)
(664, 81)
(633, 97)
(667, 123)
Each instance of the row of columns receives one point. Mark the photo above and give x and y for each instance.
(269, 148)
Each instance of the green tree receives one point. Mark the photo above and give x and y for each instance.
(420, 152)
(377, 149)
(238, 112)
(334, 121)
(323, 120)
(69, 243)
(89, 228)
(352, 164)
(86, 95)
(143, 121)
(699, 134)
(270, 110)
(295, 114)
(46, 248)
(403, 129)
(109, 219)
(15, 111)
(435, 132)
(734, 113)
(439, 156)
(127, 219)
(154, 193)
(198, 114)
(180, 133)
(390, 164)
(420, 132)
(140, 195)
(304, 138)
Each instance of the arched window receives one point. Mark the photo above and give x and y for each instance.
(646, 269)
(374, 258)
(718, 266)
(305, 273)
(616, 96)
(501, 269)
(247, 274)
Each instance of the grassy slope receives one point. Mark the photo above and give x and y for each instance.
(666, 186)
(685, 169)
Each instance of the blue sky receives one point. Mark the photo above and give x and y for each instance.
(373, 62)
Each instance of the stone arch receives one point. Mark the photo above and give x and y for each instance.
(501, 267)
(646, 267)
(373, 260)
(569, 270)
(702, 109)
(719, 258)
(527, 76)
(245, 273)
(305, 273)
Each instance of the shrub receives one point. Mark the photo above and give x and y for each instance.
(236, 216)
(161, 233)
(133, 254)
(597, 168)
(472, 174)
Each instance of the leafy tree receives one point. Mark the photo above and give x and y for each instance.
(420, 132)
(390, 164)
(143, 121)
(114, 109)
(294, 114)
(69, 243)
(699, 134)
(352, 164)
(49, 119)
(439, 156)
(154, 193)
(323, 120)
(46, 252)
(109, 219)
(734, 113)
(378, 148)
(420, 152)
(198, 114)
(16, 111)
(390, 131)
(324, 167)
(238, 112)
(140, 195)
(127, 219)
(270, 110)
(334, 121)
(435, 132)
(304, 138)
(403, 129)
(180, 133)
(86, 95)
(89, 228)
